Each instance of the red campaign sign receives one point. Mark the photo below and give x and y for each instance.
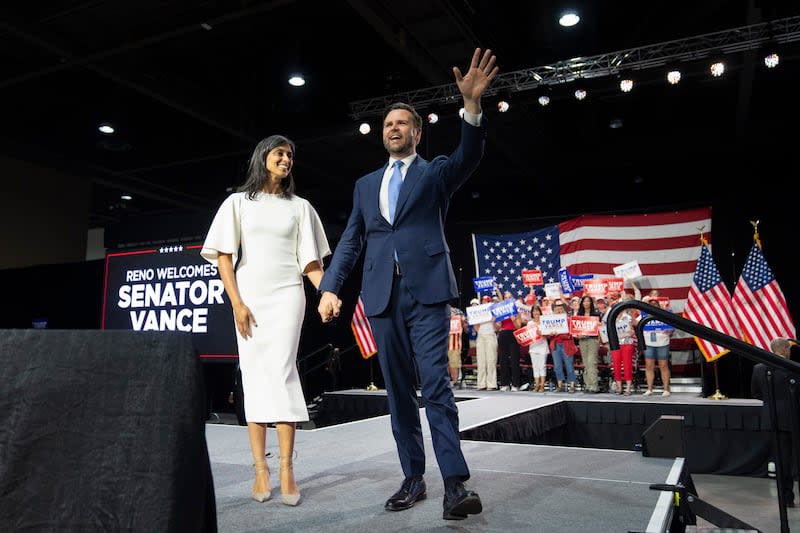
(456, 325)
(596, 288)
(584, 325)
(532, 277)
(527, 335)
(662, 301)
(615, 284)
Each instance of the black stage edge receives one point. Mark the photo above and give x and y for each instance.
(720, 439)
(103, 431)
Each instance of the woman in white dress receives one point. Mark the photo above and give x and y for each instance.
(264, 239)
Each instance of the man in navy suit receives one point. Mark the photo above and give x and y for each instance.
(398, 221)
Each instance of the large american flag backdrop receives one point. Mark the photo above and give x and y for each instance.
(664, 244)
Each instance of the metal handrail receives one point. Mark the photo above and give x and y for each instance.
(749, 351)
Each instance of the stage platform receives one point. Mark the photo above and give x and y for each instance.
(346, 471)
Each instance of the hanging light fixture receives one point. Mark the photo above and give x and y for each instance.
(580, 94)
(364, 128)
(626, 85)
(502, 106)
(544, 100)
(433, 118)
(674, 76)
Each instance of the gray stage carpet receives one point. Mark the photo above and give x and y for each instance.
(346, 472)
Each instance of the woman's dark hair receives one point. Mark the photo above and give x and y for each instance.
(257, 168)
(592, 309)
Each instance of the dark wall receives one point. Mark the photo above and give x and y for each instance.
(44, 215)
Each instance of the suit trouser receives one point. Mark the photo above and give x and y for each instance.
(406, 332)
(508, 354)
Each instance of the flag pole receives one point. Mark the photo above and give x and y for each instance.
(371, 386)
(717, 395)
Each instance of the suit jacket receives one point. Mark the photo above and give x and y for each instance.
(417, 233)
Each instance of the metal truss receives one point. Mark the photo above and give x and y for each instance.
(779, 31)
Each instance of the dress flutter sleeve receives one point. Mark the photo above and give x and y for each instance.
(312, 244)
(225, 232)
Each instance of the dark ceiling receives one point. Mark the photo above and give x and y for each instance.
(191, 86)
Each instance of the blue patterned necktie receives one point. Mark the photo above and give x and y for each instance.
(394, 189)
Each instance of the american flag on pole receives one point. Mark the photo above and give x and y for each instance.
(363, 332)
(710, 304)
(664, 244)
(759, 303)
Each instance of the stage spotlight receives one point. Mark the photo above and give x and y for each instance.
(625, 85)
(364, 128)
(502, 106)
(717, 69)
(569, 19)
(433, 118)
(771, 60)
(297, 80)
(106, 128)
(674, 76)
(580, 94)
(126, 197)
(544, 100)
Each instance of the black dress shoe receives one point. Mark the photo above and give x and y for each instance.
(412, 490)
(460, 502)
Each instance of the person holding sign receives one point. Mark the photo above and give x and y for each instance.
(589, 343)
(278, 239)
(656, 339)
(538, 351)
(508, 349)
(486, 350)
(563, 349)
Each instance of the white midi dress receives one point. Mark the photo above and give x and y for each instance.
(278, 237)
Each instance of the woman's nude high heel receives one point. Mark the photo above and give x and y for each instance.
(261, 497)
(286, 498)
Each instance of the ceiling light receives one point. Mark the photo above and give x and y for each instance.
(717, 69)
(626, 85)
(106, 128)
(772, 60)
(126, 197)
(433, 118)
(297, 80)
(674, 76)
(568, 19)
(544, 100)
(502, 106)
(580, 94)
(364, 128)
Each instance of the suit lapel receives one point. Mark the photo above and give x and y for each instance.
(375, 194)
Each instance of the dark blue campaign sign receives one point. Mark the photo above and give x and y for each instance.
(170, 288)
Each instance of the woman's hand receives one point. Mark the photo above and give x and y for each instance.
(243, 318)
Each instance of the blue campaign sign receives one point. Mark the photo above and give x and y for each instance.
(504, 309)
(577, 281)
(566, 281)
(483, 284)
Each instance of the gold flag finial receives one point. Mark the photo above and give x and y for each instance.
(700, 229)
(755, 224)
